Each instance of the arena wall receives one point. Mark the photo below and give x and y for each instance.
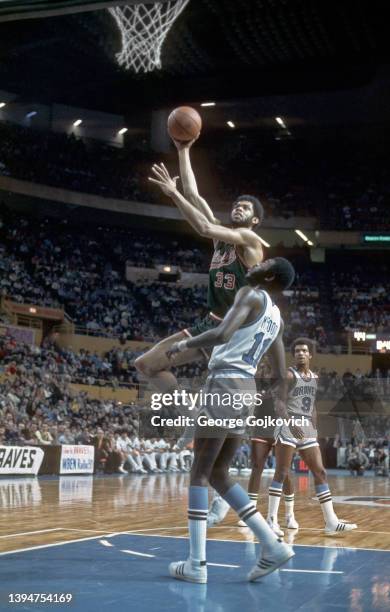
(121, 394)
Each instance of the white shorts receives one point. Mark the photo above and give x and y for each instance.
(284, 436)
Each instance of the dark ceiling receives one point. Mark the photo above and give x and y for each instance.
(217, 49)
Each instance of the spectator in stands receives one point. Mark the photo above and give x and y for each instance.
(381, 461)
(64, 435)
(3, 441)
(44, 436)
(357, 461)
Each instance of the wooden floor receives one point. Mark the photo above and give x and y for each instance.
(40, 512)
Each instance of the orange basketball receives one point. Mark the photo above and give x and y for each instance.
(184, 123)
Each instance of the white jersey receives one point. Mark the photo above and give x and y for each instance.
(249, 343)
(301, 398)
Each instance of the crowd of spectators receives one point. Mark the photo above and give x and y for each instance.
(344, 188)
(84, 273)
(361, 297)
(372, 455)
(51, 263)
(38, 405)
(86, 367)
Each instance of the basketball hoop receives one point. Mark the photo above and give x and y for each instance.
(143, 29)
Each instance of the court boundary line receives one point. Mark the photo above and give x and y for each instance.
(15, 535)
(51, 545)
(221, 527)
(113, 534)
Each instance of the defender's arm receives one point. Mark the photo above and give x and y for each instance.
(233, 319)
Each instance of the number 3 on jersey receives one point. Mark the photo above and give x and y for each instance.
(227, 281)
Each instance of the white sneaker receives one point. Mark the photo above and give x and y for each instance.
(339, 527)
(291, 522)
(242, 523)
(190, 571)
(271, 558)
(212, 519)
(275, 527)
(122, 470)
(218, 510)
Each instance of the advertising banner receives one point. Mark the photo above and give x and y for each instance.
(77, 459)
(20, 460)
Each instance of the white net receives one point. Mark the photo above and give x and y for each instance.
(143, 29)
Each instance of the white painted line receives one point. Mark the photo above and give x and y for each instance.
(85, 530)
(15, 535)
(222, 565)
(18, 550)
(357, 530)
(135, 531)
(105, 543)
(312, 571)
(139, 554)
(151, 535)
(341, 547)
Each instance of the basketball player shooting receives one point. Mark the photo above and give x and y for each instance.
(236, 249)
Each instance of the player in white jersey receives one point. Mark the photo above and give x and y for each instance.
(250, 328)
(301, 402)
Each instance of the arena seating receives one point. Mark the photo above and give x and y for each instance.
(292, 178)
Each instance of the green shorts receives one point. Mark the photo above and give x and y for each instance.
(208, 322)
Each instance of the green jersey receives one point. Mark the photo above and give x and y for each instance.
(226, 277)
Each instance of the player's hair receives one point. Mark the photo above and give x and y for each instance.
(258, 208)
(284, 274)
(282, 271)
(302, 340)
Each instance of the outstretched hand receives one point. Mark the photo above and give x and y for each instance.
(163, 179)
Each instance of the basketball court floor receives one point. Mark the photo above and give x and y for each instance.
(108, 541)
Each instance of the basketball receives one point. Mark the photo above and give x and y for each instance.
(184, 124)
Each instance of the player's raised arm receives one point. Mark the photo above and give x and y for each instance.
(241, 236)
(188, 181)
(195, 217)
(235, 317)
